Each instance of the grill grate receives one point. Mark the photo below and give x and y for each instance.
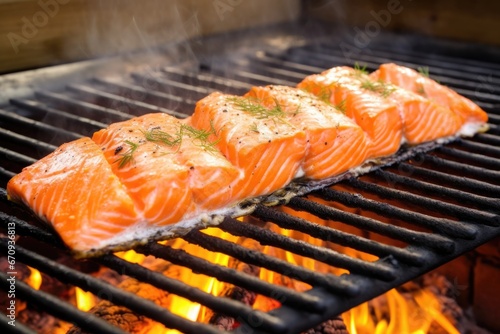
(446, 200)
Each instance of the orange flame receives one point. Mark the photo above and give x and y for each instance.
(131, 256)
(35, 278)
(186, 308)
(84, 300)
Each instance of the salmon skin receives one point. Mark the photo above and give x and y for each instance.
(334, 143)
(376, 115)
(154, 176)
(411, 80)
(255, 138)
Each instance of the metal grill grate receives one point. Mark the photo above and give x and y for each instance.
(438, 204)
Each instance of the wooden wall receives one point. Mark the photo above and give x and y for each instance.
(472, 21)
(36, 33)
(46, 32)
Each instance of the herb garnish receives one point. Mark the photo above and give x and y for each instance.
(340, 106)
(380, 87)
(254, 127)
(127, 156)
(199, 137)
(253, 107)
(325, 94)
(360, 70)
(156, 135)
(424, 71)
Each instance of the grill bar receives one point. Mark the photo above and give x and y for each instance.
(18, 329)
(252, 257)
(445, 226)
(430, 188)
(462, 182)
(229, 275)
(96, 112)
(432, 241)
(473, 157)
(486, 138)
(472, 215)
(52, 304)
(266, 237)
(76, 121)
(223, 305)
(107, 291)
(471, 171)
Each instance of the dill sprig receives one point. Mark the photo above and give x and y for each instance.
(128, 156)
(254, 127)
(341, 106)
(424, 70)
(325, 94)
(253, 107)
(156, 135)
(360, 70)
(200, 137)
(383, 88)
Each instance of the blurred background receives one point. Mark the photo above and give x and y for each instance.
(38, 33)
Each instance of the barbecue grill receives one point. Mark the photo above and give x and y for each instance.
(451, 192)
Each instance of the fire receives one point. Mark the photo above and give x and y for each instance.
(84, 300)
(391, 313)
(131, 256)
(413, 315)
(35, 278)
(186, 308)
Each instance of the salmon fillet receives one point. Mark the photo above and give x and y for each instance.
(174, 171)
(75, 190)
(423, 120)
(375, 114)
(411, 80)
(256, 139)
(334, 143)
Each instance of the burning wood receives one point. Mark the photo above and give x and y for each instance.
(126, 319)
(245, 296)
(333, 326)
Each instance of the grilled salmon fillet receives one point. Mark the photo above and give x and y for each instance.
(411, 80)
(174, 170)
(148, 172)
(75, 189)
(334, 143)
(423, 120)
(377, 116)
(268, 150)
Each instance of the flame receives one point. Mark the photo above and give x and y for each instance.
(131, 256)
(413, 315)
(84, 300)
(186, 308)
(35, 278)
